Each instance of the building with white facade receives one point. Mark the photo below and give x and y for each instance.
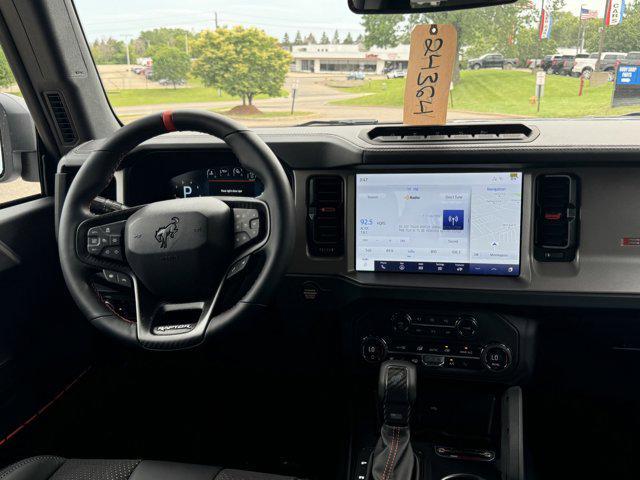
(348, 58)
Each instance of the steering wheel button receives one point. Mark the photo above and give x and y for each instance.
(110, 276)
(93, 232)
(93, 241)
(242, 238)
(94, 249)
(238, 266)
(254, 224)
(124, 280)
(114, 240)
(112, 253)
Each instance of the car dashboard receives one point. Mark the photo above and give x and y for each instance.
(557, 229)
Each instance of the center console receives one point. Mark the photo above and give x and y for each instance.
(466, 421)
(442, 342)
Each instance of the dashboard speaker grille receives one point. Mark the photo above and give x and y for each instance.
(60, 114)
(325, 216)
(556, 222)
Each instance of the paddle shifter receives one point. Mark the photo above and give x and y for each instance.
(393, 457)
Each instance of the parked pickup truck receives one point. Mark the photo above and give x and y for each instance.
(586, 66)
(632, 58)
(492, 60)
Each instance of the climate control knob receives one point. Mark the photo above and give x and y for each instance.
(374, 349)
(400, 322)
(467, 326)
(496, 357)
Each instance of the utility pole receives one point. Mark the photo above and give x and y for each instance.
(186, 43)
(602, 33)
(294, 91)
(580, 31)
(540, 31)
(215, 15)
(126, 44)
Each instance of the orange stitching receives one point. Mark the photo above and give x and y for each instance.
(397, 446)
(391, 447)
(386, 465)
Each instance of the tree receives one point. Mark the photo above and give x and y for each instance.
(164, 37)
(286, 42)
(298, 40)
(336, 38)
(360, 39)
(109, 51)
(348, 40)
(381, 30)
(310, 40)
(624, 37)
(241, 61)
(172, 64)
(324, 40)
(6, 75)
(565, 29)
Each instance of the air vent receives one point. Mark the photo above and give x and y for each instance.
(507, 132)
(556, 223)
(60, 114)
(325, 216)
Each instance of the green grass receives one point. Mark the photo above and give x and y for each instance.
(271, 114)
(126, 118)
(503, 92)
(153, 96)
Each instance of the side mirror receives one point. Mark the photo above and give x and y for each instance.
(18, 145)
(418, 6)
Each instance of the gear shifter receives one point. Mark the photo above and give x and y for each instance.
(393, 457)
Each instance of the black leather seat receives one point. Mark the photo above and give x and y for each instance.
(58, 468)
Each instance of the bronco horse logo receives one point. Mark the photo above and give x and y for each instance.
(163, 233)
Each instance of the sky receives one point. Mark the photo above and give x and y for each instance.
(123, 19)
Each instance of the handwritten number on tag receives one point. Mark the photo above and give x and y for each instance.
(431, 47)
(433, 53)
(429, 43)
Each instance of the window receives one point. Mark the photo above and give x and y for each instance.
(17, 188)
(162, 54)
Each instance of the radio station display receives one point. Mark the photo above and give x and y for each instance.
(456, 223)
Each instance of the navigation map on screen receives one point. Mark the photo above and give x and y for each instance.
(459, 223)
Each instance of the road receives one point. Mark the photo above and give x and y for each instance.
(314, 96)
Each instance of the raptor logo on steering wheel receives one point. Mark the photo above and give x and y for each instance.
(163, 233)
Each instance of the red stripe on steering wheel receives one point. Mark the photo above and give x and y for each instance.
(167, 120)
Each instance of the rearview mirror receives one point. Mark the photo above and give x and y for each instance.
(418, 6)
(18, 157)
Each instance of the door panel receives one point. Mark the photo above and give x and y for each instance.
(44, 341)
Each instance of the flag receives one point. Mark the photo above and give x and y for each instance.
(586, 14)
(545, 24)
(615, 12)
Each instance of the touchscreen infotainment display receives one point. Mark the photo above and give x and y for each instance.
(456, 223)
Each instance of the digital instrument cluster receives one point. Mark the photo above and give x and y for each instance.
(225, 181)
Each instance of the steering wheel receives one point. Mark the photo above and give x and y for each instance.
(176, 254)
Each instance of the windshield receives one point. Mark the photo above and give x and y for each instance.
(289, 62)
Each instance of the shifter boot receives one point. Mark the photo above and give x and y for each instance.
(393, 457)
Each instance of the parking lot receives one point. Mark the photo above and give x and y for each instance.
(316, 97)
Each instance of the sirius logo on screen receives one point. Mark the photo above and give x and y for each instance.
(453, 220)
